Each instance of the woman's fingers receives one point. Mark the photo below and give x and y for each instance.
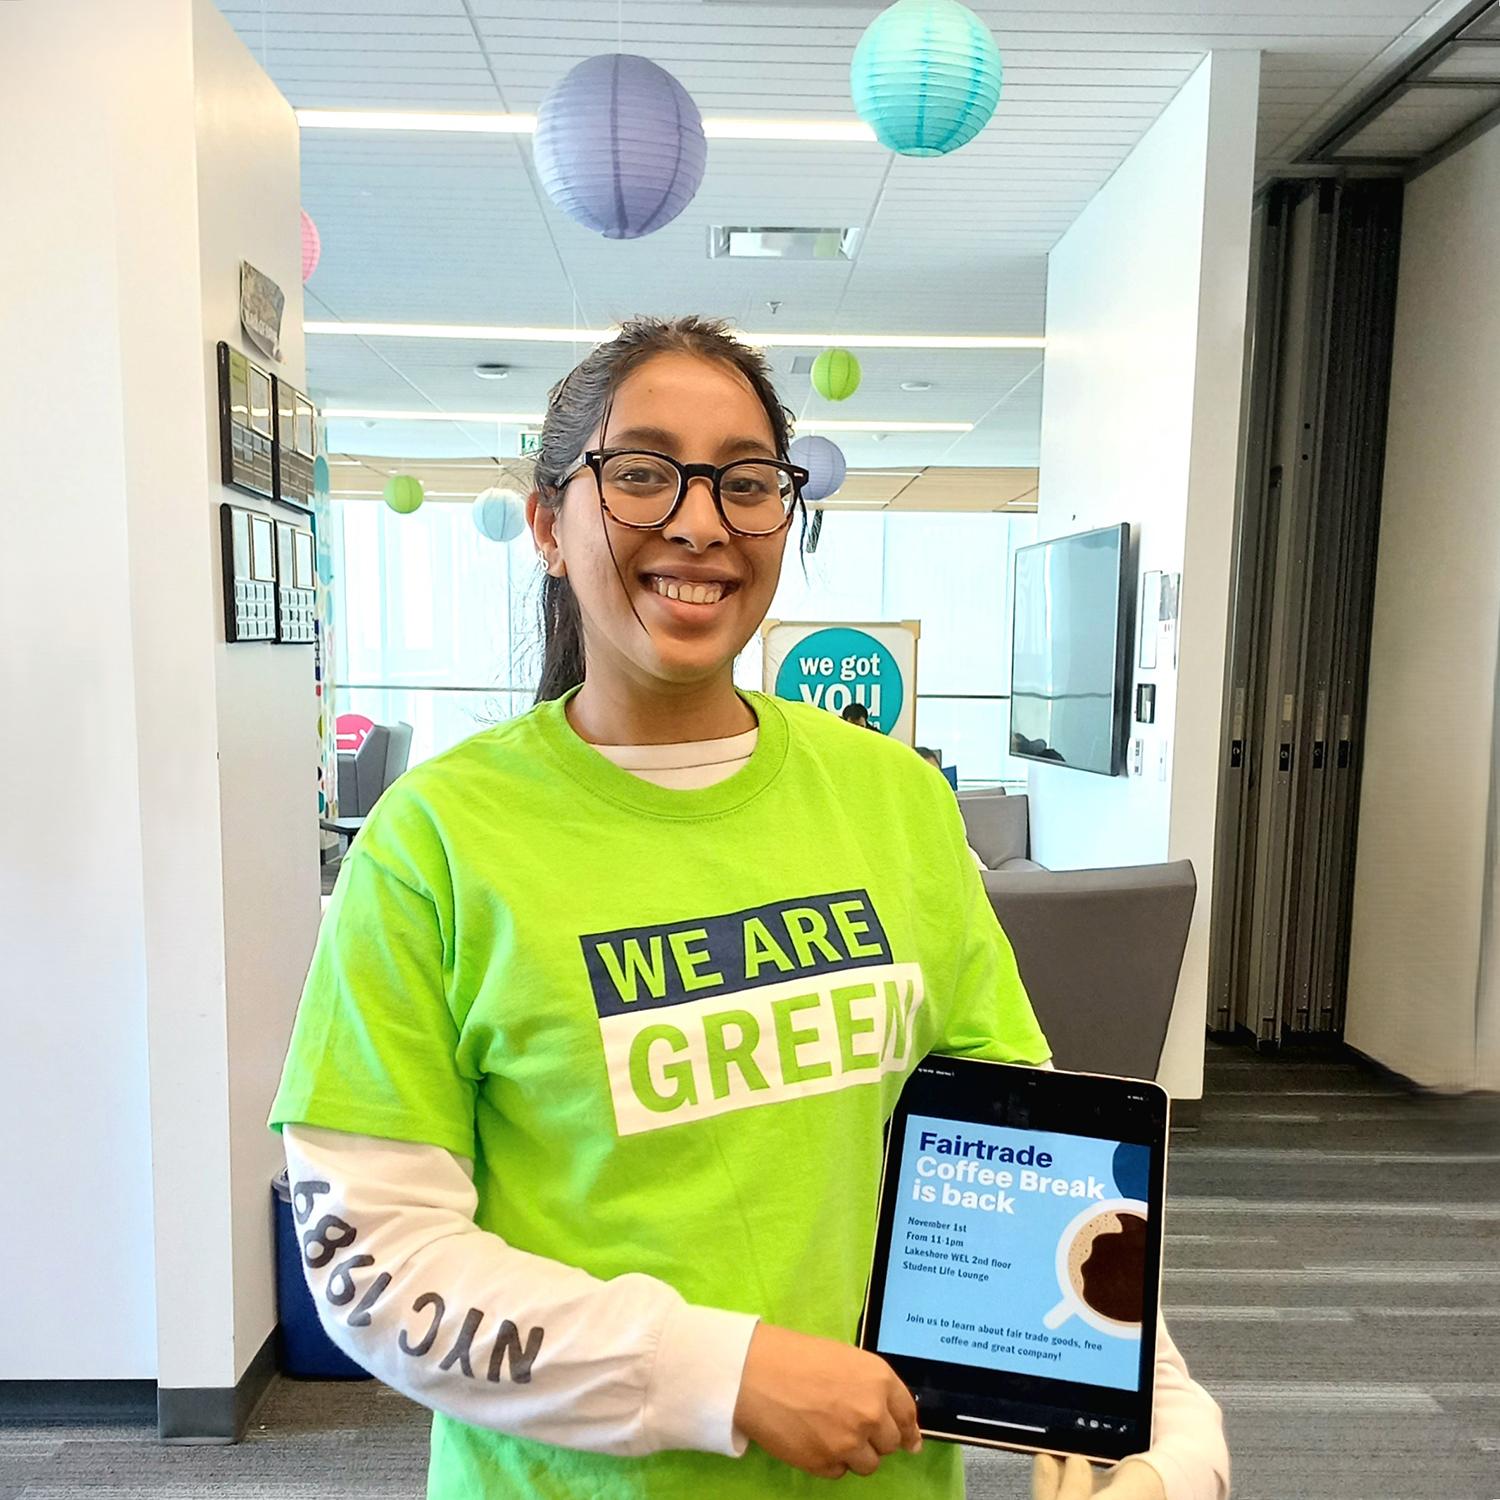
(1077, 1480)
(1052, 1479)
(864, 1460)
(903, 1409)
(1046, 1475)
(886, 1437)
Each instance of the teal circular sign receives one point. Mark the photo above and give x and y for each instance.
(842, 665)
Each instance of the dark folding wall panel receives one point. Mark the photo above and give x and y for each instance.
(1322, 316)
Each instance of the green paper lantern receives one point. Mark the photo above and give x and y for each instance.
(835, 374)
(403, 493)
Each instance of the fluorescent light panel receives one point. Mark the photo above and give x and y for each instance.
(501, 333)
(524, 419)
(484, 123)
(493, 331)
(813, 425)
(363, 414)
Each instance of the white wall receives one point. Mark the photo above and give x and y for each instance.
(75, 1173)
(1146, 298)
(164, 857)
(1424, 991)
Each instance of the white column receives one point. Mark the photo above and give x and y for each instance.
(1146, 301)
(163, 853)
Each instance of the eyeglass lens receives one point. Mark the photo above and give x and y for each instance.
(642, 488)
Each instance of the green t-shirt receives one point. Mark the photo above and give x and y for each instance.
(667, 1026)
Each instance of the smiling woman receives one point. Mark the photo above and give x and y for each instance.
(584, 1106)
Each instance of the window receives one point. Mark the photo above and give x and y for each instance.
(439, 627)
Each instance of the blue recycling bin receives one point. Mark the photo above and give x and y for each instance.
(303, 1350)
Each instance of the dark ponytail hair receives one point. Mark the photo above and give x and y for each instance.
(577, 406)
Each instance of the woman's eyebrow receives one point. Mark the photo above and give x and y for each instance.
(733, 447)
(647, 437)
(662, 441)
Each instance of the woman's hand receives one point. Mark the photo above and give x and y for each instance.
(823, 1406)
(1052, 1479)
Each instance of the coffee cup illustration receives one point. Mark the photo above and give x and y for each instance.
(1101, 1268)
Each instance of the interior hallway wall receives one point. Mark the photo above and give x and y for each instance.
(1424, 969)
(75, 1176)
(159, 865)
(1146, 307)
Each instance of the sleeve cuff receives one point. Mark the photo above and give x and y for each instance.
(1175, 1479)
(695, 1381)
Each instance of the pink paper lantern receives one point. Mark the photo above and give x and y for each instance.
(312, 246)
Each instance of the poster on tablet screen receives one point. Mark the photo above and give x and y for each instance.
(1019, 1250)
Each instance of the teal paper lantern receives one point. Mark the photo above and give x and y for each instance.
(403, 493)
(835, 374)
(322, 480)
(926, 77)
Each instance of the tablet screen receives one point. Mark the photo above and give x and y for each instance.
(1016, 1276)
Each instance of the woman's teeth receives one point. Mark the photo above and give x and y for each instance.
(688, 593)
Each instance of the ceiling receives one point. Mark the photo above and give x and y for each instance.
(450, 228)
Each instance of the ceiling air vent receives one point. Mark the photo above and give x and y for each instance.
(741, 242)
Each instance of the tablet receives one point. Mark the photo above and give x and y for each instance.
(1017, 1267)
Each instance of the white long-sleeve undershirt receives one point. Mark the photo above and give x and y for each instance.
(410, 1287)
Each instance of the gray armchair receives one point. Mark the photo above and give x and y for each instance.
(998, 828)
(1099, 952)
(365, 773)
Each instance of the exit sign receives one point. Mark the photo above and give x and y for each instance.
(531, 441)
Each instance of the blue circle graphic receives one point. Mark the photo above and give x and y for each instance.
(841, 665)
(1132, 1171)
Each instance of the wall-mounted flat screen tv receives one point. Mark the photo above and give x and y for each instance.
(1070, 651)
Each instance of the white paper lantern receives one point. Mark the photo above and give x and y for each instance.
(499, 515)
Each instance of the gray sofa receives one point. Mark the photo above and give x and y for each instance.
(1099, 952)
(365, 773)
(998, 827)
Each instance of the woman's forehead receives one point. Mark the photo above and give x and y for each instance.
(677, 391)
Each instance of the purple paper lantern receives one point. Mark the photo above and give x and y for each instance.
(619, 146)
(825, 464)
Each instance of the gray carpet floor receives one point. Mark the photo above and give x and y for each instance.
(1333, 1276)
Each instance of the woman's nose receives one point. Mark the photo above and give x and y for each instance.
(697, 521)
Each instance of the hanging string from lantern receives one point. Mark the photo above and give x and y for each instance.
(519, 145)
(985, 415)
(838, 307)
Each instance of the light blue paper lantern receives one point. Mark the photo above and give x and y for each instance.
(926, 76)
(619, 145)
(499, 515)
(825, 464)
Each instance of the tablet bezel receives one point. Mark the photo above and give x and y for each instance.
(976, 1091)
